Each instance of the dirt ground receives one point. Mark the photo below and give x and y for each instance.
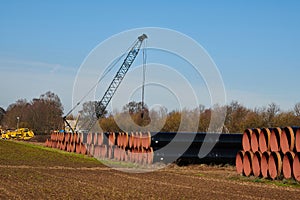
(28, 171)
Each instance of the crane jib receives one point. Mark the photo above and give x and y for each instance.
(103, 103)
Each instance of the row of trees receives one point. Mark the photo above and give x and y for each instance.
(44, 114)
(237, 118)
(41, 114)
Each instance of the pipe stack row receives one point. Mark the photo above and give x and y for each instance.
(192, 148)
(66, 142)
(133, 147)
(270, 153)
(129, 147)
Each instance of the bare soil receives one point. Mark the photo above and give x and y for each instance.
(29, 171)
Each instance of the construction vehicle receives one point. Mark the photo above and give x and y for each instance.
(20, 133)
(73, 123)
(101, 105)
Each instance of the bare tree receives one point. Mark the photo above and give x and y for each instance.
(41, 114)
(297, 109)
(272, 110)
(17, 112)
(2, 113)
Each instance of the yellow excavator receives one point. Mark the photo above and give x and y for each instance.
(20, 133)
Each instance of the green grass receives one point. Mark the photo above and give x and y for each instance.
(200, 174)
(22, 153)
(281, 183)
(119, 163)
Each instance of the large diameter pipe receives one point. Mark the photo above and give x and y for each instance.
(83, 149)
(246, 141)
(297, 140)
(247, 163)
(264, 164)
(275, 165)
(97, 152)
(275, 139)
(119, 138)
(91, 149)
(264, 140)
(296, 166)
(78, 148)
(287, 139)
(254, 139)
(46, 144)
(112, 138)
(287, 164)
(63, 146)
(125, 140)
(150, 156)
(95, 138)
(100, 139)
(239, 162)
(256, 164)
(146, 140)
(89, 139)
(161, 139)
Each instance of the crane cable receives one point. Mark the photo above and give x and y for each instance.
(144, 76)
(108, 69)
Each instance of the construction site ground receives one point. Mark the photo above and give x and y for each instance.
(31, 171)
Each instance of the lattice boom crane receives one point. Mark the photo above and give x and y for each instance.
(103, 103)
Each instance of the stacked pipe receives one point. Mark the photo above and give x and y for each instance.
(67, 142)
(186, 148)
(146, 148)
(270, 153)
(133, 147)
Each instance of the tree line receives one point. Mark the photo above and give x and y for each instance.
(41, 114)
(44, 114)
(237, 118)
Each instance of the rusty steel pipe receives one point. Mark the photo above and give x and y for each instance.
(239, 162)
(287, 164)
(112, 139)
(296, 166)
(297, 140)
(78, 148)
(247, 163)
(89, 138)
(95, 138)
(64, 146)
(100, 138)
(264, 140)
(150, 156)
(264, 165)
(275, 139)
(287, 139)
(125, 140)
(130, 142)
(275, 165)
(256, 164)
(246, 140)
(254, 139)
(146, 140)
(83, 149)
(110, 153)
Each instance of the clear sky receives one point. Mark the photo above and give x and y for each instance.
(255, 44)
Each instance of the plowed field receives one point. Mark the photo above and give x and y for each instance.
(29, 171)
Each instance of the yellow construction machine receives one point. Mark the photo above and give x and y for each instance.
(20, 133)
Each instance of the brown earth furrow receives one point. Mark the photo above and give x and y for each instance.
(6, 194)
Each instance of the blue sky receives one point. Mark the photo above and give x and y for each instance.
(255, 44)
